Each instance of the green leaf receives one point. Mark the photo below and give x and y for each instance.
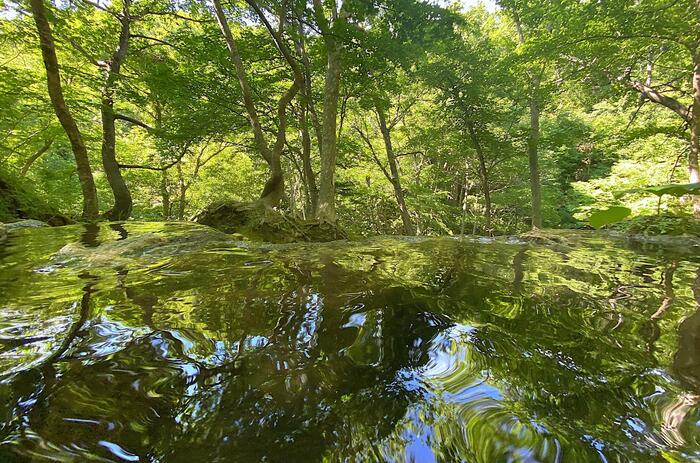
(608, 216)
(673, 189)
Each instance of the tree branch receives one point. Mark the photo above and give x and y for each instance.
(153, 39)
(44, 148)
(374, 154)
(134, 121)
(653, 95)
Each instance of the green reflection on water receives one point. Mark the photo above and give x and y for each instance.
(173, 343)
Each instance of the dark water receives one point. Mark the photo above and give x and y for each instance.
(167, 343)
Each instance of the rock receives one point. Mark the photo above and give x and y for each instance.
(28, 223)
(3, 232)
(257, 223)
(185, 238)
(19, 200)
(56, 220)
(228, 217)
(545, 237)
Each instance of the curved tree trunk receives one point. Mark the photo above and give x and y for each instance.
(273, 190)
(53, 80)
(122, 197)
(408, 228)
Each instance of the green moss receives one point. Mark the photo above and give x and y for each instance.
(255, 223)
(19, 200)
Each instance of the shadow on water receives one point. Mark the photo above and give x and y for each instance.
(387, 350)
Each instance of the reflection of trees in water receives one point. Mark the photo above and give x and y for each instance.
(686, 366)
(24, 393)
(291, 394)
(467, 352)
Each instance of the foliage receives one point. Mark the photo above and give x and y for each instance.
(674, 225)
(439, 74)
(672, 189)
(19, 199)
(610, 215)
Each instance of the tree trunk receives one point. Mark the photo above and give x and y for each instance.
(307, 106)
(331, 91)
(693, 168)
(122, 197)
(165, 194)
(484, 176)
(273, 190)
(309, 176)
(408, 228)
(533, 138)
(32, 159)
(329, 147)
(183, 193)
(533, 157)
(53, 80)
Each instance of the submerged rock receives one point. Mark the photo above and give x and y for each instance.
(28, 223)
(257, 223)
(143, 241)
(540, 236)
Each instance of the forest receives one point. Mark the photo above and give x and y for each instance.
(377, 117)
(350, 231)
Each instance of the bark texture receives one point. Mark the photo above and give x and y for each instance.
(309, 176)
(533, 139)
(693, 168)
(331, 91)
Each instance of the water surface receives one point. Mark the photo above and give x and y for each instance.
(172, 343)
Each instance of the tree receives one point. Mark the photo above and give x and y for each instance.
(121, 210)
(53, 80)
(534, 72)
(274, 187)
(330, 30)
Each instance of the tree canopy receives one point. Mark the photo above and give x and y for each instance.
(387, 116)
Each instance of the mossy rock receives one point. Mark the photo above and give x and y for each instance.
(257, 223)
(18, 200)
(540, 236)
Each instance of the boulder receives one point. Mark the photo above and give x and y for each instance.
(255, 222)
(3, 232)
(229, 217)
